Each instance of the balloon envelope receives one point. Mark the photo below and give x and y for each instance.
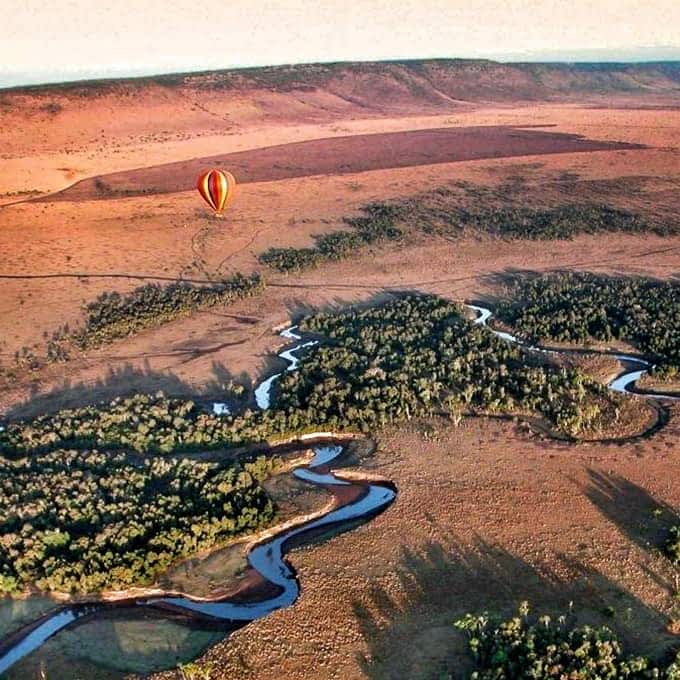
(217, 188)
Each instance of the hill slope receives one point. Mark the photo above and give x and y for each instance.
(77, 115)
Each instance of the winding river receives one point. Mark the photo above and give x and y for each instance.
(623, 383)
(268, 557)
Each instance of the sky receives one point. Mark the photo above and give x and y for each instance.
(49, 41)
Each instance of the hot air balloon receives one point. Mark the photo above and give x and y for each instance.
(217, 188)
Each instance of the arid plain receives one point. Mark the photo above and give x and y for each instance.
(96, 195)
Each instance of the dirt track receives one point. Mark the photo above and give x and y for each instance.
(338, 156)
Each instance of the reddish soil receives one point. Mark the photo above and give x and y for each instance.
(338, 156)
(485, 516)
(84, 248)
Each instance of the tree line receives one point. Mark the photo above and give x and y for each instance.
(84, 521)
(581, 307)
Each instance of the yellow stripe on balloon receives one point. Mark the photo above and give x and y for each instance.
(221, 188)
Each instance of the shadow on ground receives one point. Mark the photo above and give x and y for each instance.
(127, 380)
(411, 634)
(631, 508)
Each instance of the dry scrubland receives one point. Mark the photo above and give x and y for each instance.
(487, 514)
(172, 235)
(485, 517)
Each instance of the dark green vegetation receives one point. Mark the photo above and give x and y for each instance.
(291, 259)
(543, 649)
(561, 222)
(113, 315)
(418, 356)
(453, 211)
(515, 211)
(577, 307)
(414, 356)
(376, 225)
(142, 423)
(671, 546)
(75, 518)
(83, 521)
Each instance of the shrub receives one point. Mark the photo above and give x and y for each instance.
(544, 649)
(113, 315)
(52, 108)
(290, 259)
(672, 545)
(561, 222)
(447, 211)
(374, 226)
(577, 307)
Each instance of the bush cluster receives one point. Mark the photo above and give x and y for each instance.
(577, 307)
(671, 546)
(290, 259)
(544, 649)
(113, 315)
(375, 225)
(560, 222)
(83, 521)
(146, 423)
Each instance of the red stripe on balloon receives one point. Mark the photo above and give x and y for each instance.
(214, 184)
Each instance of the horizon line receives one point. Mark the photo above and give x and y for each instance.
(115, 75)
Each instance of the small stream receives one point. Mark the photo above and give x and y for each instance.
(268, 557)
(623, 383)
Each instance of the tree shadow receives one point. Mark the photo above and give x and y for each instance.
(128, 379)
(407, 625)
(299, 308)
(632, 509)
(497, 286)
